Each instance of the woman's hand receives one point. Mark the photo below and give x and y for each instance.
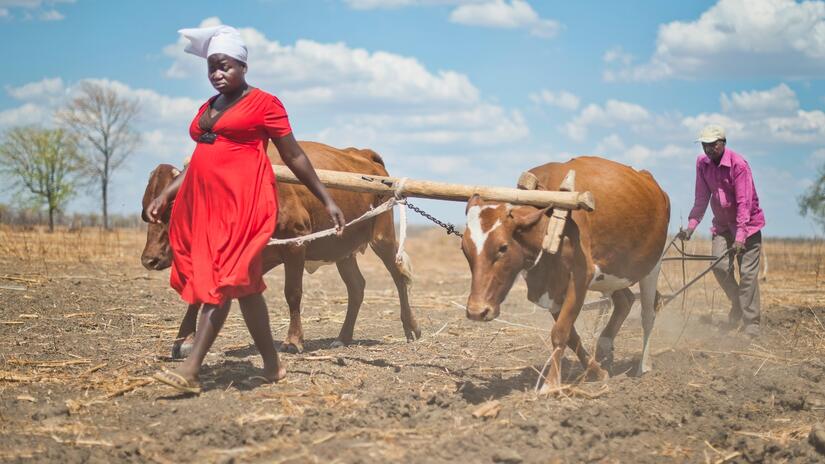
(337, 217)
(156, 208)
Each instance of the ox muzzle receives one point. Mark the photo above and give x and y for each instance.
(479, 310)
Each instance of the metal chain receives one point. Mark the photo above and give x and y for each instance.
(446, 225)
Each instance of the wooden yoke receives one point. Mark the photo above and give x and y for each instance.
(382, 185)
(552, 237)
(528, 181)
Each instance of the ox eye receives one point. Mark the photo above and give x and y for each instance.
(502, 249)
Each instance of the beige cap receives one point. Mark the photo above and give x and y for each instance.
(711, 134)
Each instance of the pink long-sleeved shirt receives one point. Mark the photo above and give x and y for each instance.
(732, 195)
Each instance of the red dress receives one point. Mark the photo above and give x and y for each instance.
(227, 205)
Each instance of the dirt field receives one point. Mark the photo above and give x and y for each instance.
(82, 325)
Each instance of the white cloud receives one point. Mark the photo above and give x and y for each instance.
(163, 121)
(617, 55)
(388, 4)
(456, 127)
(641, 156)
(738, 38)
(156, 110)
(24, 115)
(769, 116)
(378, 98)
(515, 14)
(803, 127)
(778, 100)
(765, 122)
(612, 113)
(444, 165)
(734, 128)
(817, 158)
(46, 90)
(162, 124)
(562, 99)
(313, 72)
(33, 9)
(21, 3)
(31, 3)
(51, 15)
(501, 14)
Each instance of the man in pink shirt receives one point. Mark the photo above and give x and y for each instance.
(724, 179)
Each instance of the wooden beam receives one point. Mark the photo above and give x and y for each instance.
(441, 191)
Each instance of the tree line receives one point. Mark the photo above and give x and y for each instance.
(46, 167)
(32, 216)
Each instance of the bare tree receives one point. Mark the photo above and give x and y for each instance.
(102, 121)
(812, 202)
(41, 165)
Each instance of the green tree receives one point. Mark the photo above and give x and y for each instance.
(102, 121)
(41, 165)
(812, 202)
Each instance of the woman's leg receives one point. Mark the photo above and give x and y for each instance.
(256, 317)
(211, 320)
(182, 345)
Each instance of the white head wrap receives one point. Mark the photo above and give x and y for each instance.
(206, 41)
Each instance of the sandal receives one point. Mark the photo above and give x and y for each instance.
(178, 382)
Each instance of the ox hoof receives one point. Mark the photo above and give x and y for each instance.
(291, 348)
(413, 335)
(604, 354)
(337, 344)
(597, 374)
(643, 369)
(182, 349)
(604, 364)
(550, 389)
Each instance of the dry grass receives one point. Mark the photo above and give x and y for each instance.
(95, 384)
(63, 245)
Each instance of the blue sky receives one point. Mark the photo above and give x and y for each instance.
(469, 91)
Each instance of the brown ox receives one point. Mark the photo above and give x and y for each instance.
(300, 213)
(607, 250)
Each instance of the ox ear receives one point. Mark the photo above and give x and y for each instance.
(473, 201)
(527, 216)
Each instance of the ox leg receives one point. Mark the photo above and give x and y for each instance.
(563, 329)
(348, 268)
(384, 245)
(650, 301)
(182, 345)
(622, 301)
(293, 292)
(574, 342)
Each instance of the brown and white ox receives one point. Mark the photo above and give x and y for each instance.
(300, 213)
(607, 250)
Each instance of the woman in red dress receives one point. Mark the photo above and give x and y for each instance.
(226, 203)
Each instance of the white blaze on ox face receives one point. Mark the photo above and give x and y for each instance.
(477, 233)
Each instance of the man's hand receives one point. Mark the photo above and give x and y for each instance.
(738, 248)
(684, 234)
(156, 208)
(337, 217)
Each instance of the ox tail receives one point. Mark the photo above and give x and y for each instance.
(404, 266)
